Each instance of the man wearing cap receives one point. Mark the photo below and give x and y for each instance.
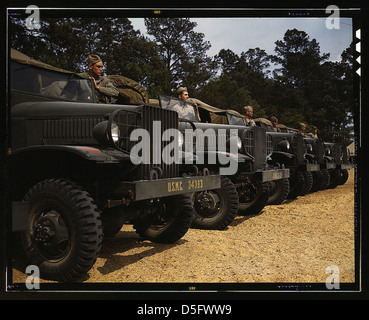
(104, 89)
(314, 132)
(274, 122)
(302, 129)
(248, 115)
(185, 110)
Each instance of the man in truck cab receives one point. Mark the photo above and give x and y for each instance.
(104, 89)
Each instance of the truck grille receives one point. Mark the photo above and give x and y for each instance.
(248, 141)
(168, 120)
(127, 121)
(319, 150)
(297, 145)
(269, 145)
(256, 136)
(336, 150)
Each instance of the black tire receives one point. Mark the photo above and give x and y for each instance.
(171, 222)
(335, 177)
(344, 176)
(112, 221)
(216, 209)
(253, 198)
(308, 183)
(64, 236)
(326, 179)
(279, 190)
(317, 181)
(297, 182)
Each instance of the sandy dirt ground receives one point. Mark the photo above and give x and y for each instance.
(292, 242)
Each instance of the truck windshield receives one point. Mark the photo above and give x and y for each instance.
(185, 110)
(50, 83)
(232, 119)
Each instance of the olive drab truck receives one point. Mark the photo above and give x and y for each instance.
(246, 189)
(74, 176)
(290, 149)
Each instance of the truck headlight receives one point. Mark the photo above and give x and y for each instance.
(239, 143)
(235, 140)
(180, 140)
(309, 148)
(115, 133)
(284, 145)
(105, 134)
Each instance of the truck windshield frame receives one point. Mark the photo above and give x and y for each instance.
(50, 84)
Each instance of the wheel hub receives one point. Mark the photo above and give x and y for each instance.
(207, 202)
(51, 234)
(45, 229)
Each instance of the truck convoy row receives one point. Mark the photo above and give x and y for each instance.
(79, 170)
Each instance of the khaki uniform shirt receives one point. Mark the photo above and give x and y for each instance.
(106, 88)
(250, 122)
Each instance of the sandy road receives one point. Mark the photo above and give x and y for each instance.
(292, 242)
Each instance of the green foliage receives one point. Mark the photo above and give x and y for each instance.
(304, 86)
(182, 50)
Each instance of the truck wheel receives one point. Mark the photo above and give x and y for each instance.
(65, 234)
(308, 183)
(344, 176)
(216, 209)
(279, 190)
(326, 179)
(317, 181)
(169, 221)
(335, 177)
(253, 198)
(297, 182)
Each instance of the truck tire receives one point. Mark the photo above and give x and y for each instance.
(335, 177)
(279, 190)
(171, 221)
(326, 179)
(297, 182)
(308, 183)
(64, 236)
(344, 176)
(253, 198)
(317, 181)
(215, 209)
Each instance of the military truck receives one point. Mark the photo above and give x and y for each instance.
(315, 153)
(290, 149)
(74, 176)
(346, 164)
(249, 183)
(337, 162)
(333, 158)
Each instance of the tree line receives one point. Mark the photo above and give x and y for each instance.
(304, 85)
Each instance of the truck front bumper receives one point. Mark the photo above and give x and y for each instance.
(271, 175)
(310, 167)
(346, 166)
(150, 189)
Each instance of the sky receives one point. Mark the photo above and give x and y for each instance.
(242, 34)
